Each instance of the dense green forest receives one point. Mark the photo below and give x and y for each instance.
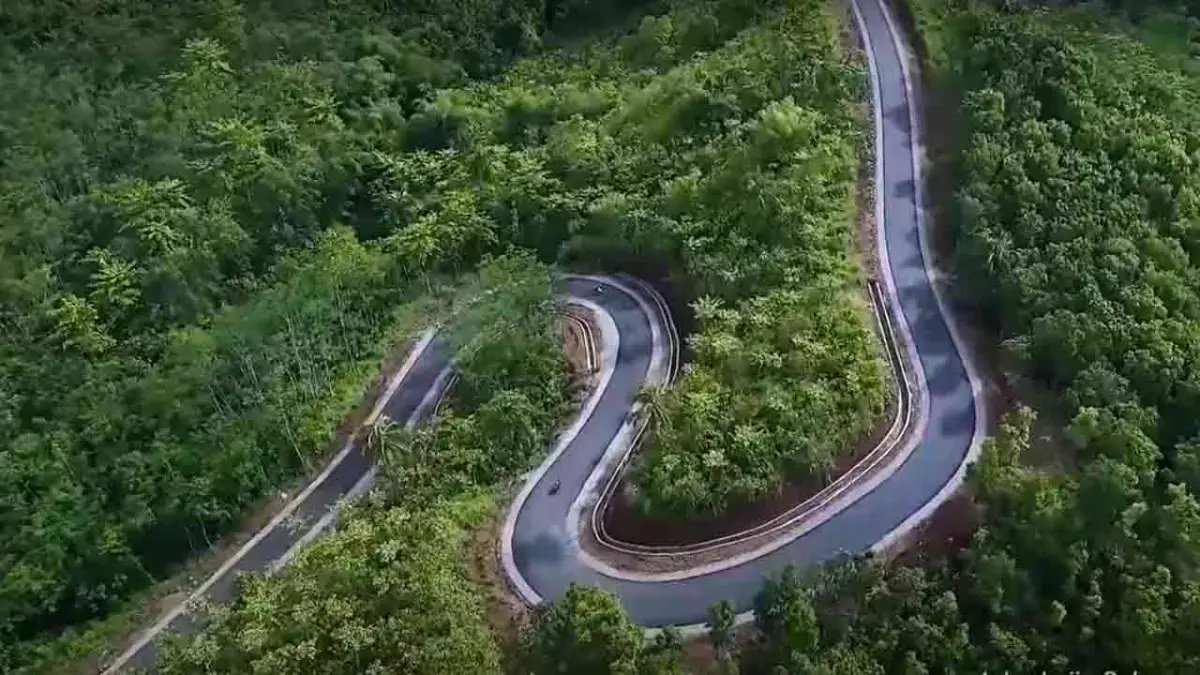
(784, 378)
(184, 322)
(1137, 9)
(1079, 222)
(216, 221)
(714, 148)
(755, 200)
(217, 217)
(1076, 228)
(387, 592)
(511, 394)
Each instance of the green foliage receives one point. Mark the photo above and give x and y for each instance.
(185, 318)
(587, 632)
(722, 633)
(784, 616)
(702, 157)
(183, 321)
(1076, 233)
(782, 354)
(385, 593)
(1076, 230)
(507, 336)
(506, 405)
(1078, 216)
(1135, 9)
(782, 387)
(175, 449)
(1067, 572)
(861, 617)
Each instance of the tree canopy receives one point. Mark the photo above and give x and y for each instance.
(1076, 235)
(587, 632)
(217, 217)
(190, 297)
(385, 593)
(1077, 231)
(511, 393)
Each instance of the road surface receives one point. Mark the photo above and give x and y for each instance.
(547, 560)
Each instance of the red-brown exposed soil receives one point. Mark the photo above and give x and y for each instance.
(944, 535)
(505, 613)
(574, 346)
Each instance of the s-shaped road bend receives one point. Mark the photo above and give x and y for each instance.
(541, 554)
(541, 551)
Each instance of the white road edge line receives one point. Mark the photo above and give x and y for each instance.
(609, 333)
(840, 499)
(608, 365)
(180, 608)
(915, 519)
(964, 355)
(610, 348)
(909, 346)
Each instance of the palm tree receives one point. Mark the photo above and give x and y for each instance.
(653, 402)
(378, 437)
(721, 618)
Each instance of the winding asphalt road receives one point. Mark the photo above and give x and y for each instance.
(545, 555)
(541, 552)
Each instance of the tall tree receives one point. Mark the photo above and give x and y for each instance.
(585, 631)
(723, 636)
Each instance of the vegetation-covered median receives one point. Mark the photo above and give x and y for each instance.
(717, 143)
(737, 166)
